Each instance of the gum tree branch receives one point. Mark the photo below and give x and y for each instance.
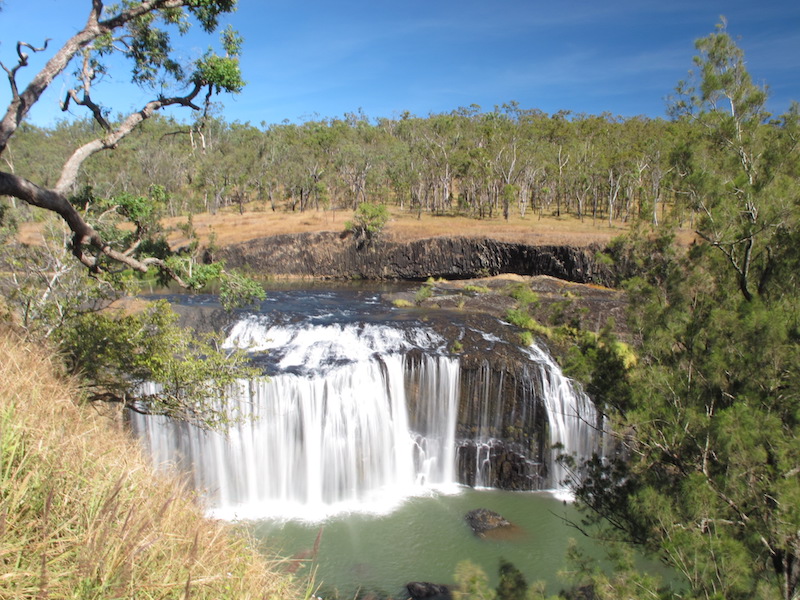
(21, 102)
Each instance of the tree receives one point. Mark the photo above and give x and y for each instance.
(145, 361)
(117, 354)
(707, 477)
(368, 221)
(140, 31)
(512, 584)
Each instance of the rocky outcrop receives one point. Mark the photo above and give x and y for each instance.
(337, 256)
(502, 428)
(483, 520)
(422, 590)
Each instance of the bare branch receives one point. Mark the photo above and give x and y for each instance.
(69, 171)
(87, 76)
(21, 103)
(87, 244)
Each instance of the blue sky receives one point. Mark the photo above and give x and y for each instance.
(316, 59)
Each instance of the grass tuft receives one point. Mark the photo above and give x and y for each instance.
(82, 514)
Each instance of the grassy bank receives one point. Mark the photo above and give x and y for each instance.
(83, 516)
(228, 226)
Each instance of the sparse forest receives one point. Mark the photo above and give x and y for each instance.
(508, 160)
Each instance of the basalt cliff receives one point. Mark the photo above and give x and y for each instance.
(330, 255)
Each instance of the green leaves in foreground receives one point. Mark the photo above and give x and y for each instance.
(152, 365)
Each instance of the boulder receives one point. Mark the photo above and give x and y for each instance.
(483, 520)
(421, 590)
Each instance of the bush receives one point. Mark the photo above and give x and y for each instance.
(523, 294)
(368, 221)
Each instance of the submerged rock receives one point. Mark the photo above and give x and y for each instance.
(421, 590)
(483, 520)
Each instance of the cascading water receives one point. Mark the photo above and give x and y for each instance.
(329, 432)
(572, 417)
(359, 415)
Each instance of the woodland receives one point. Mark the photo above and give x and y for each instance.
(478, 163)
(706, 419)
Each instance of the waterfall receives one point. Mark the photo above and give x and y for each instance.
(329, 433)
(573, 420)
(360, 416)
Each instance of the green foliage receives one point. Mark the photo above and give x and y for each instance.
(402, 303)
(238, 290)
(220, 72)
(521, 318)
(707, 422)
(337, 164)
(523, 294)
(368, 221)
(623, 578)
(120, 356)
(472, 583)
(8, 221)
(526, 338)
(512, 584)
(602, 364)
(424, 292)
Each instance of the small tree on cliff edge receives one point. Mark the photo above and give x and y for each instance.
(368, 222)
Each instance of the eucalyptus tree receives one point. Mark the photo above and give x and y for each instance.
(356, 155)
(442, 137)
(410, 130)
(139, 31)
(710, 429)
(142, 33)
(503, 138)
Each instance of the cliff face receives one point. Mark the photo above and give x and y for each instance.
(336, 256)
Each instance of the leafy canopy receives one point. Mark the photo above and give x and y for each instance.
(706, 474)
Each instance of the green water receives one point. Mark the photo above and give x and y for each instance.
(426, 538)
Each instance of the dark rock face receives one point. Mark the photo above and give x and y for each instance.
(483, 520)
(502, 428)
(203, 319)
(502, 424)
(336, 256)
(420, 590)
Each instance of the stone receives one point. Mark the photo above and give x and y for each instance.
(421, 590)
(483, 520)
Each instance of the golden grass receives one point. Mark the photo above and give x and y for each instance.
(82, 515)
(229, 226)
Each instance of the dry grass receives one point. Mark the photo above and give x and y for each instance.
(229, 227)
(83, 516)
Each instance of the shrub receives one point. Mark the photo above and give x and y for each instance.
(368, 221)
(523, 294)
(423, 293)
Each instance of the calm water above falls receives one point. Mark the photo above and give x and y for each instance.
(330, 445)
